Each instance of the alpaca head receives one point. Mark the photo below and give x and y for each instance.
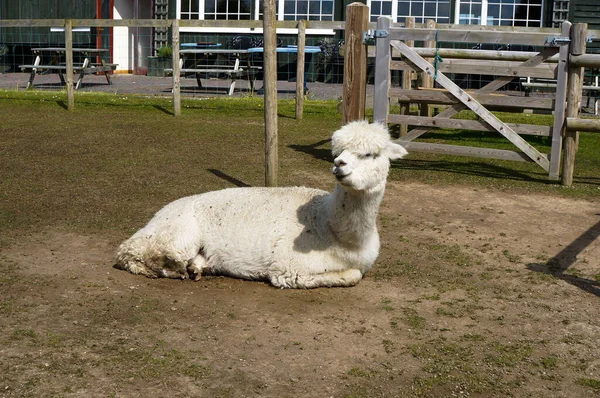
(362, 154)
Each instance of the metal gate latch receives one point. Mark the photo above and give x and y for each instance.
(557, 41)
(374, 34)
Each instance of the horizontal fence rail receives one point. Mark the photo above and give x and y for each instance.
(165, 23)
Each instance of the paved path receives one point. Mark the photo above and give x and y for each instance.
(161, 86)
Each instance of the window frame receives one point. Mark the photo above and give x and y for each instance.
(257, 17)
(485, 16)
(394, 13)
(455, 19)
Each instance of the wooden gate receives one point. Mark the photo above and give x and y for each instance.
(392, 53)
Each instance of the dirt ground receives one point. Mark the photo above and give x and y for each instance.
(475, 293)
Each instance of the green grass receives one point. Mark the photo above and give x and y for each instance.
(592, 383)
(94, 167)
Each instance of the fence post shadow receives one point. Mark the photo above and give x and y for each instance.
(560, 263)
(228, 178)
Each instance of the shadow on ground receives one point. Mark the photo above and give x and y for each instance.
(559, 264)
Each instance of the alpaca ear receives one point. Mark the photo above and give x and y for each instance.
(395, 151)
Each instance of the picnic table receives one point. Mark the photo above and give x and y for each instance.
(217, 63)
(290, 49)
(235, 63)
(56, 65)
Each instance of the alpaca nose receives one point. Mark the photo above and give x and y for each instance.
(339, 162)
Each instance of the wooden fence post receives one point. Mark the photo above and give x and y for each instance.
(270, 85)
(559, 125)
(355, 63)
(381, 98)
(300, 70)
(409, 22)
(426, 80)
(69, 60)
(574, 93)
(176, 70)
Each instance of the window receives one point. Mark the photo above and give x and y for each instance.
(398, 10)
(288, 10)
(316, 10)
(473, 12)
(500, 12)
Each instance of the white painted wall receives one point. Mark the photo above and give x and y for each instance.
(131, 46)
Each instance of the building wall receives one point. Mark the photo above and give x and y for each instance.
(586, 11)
(132, 46)
(43, 9)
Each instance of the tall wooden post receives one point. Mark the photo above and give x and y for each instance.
(355, 63)
(69, 60)
(176, 70)
(427, 80)
(574, 93)
(381, 97)
(559, 125)
(406, 79)
(300, 70)
(270, 85)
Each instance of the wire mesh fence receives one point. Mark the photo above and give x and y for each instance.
(138, 59)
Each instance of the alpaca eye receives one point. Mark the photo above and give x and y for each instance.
(368, 155)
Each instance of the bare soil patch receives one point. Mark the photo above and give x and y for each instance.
(475, 293)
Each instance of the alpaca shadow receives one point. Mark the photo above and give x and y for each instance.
(314, 150)
(311, 216)
(559, 264)
(228, 178)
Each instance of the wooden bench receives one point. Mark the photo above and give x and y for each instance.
(86, 68)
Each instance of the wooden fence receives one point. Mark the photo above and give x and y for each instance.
(175, 26)
(562, 58)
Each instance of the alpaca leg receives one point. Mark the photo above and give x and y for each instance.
(349, 277)
(196, 267)
(136, 268)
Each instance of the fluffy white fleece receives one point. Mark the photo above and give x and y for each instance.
(293, 237)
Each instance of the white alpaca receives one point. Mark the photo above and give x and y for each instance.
(293, 237)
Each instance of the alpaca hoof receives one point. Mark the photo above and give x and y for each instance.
(194, 273)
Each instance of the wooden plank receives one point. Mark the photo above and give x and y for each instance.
(406, 84)
(585, 60)
(176, 67)
(300, 70)
(477, 125)
(475, 35)
(559, 125)
(354, 94)
(381, 104)
(495, 101)
(31, 23)
(588, 125)
(575, 78)
(475, 106)
(69, 60)
(166, 23)
(457, 150)
(496, 28)
(491, 55)
(81, 73)
(426, 79)
(491, 68)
